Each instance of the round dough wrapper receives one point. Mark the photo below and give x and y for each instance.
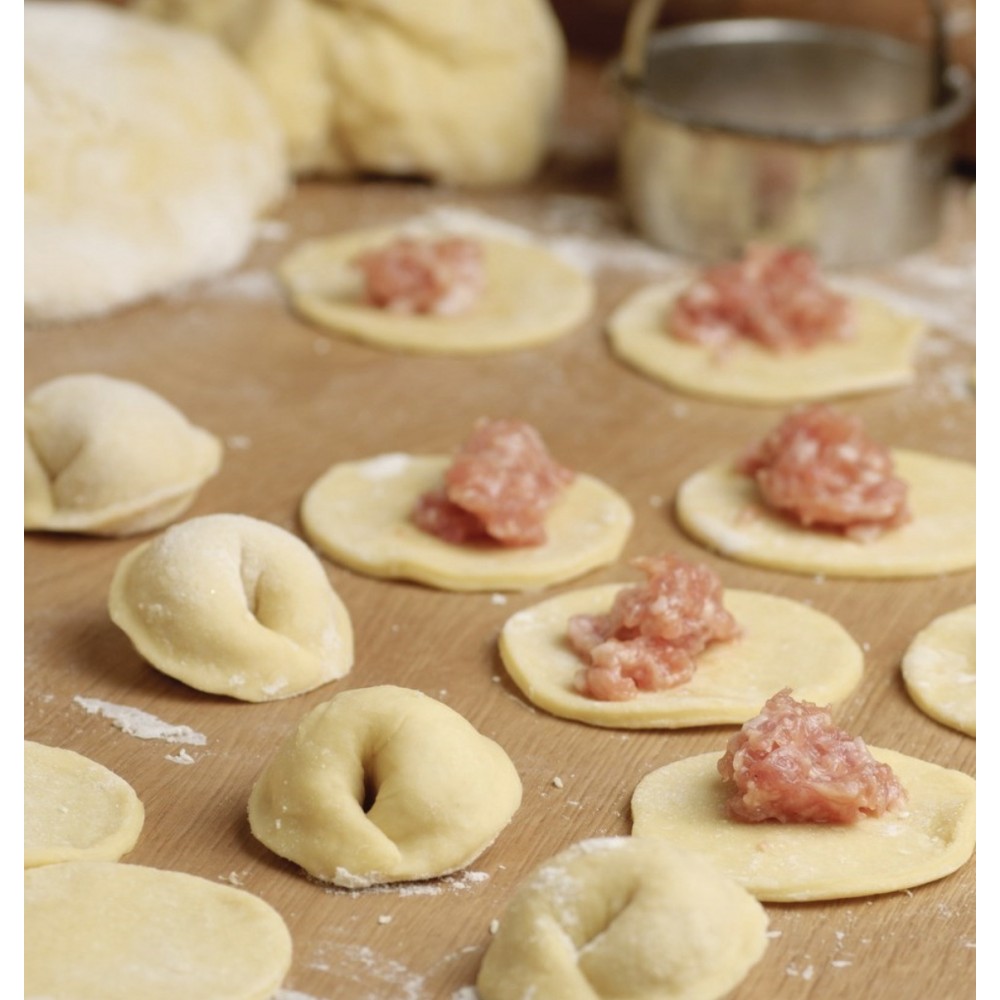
(721, 509)
(624, 918)
(358, 514)
(75, 809)
(684, 802)
(939, 670)
(104, 456)
(531, 297)
(232, 605)
(879, 356)
(99, 930)
(383, 784)
(149, 156)
(785, 644)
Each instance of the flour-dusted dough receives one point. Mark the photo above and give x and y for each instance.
(233, 605)
(939, 669)
(879, 356)
(99, 930)
(530, 297)
(105, 456)
(685, 803)
(623, 918)
(75, 809)
(456, 92)
(358, 514)
(720, 508)
(149, 155)
(784, 644)
(383, 784)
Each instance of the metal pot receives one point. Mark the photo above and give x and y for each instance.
(788, 132)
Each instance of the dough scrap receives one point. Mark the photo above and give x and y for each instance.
(880, 355)
(459, 93)
(105, 456)
(75, 809)
(939, 670)
(383, 784)
(149, 155)
(358, 514)
(100, 930)
(531, 296)
(785, 643)
(235, 606)
(684, 802)
(721, 509)
(623, 918)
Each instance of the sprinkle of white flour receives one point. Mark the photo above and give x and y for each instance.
(141, 724)
(181, 757)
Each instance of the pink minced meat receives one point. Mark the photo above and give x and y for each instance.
(443, 277)
(821, 468)
(499, 488)
(792, 764)
(650, 638)
(774, 297)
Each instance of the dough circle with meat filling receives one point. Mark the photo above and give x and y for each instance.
(75, 809)
(783, 643)
(383, 784)
(879, 356)
(358, 514)
(104, 456)
(932, 836)
(530, 296)
(232, 605)
(627, 918)
(721, 508)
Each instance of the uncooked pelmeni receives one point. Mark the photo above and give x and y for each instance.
(75, 809)
(233, 605)
(383, 784)
(101, 930)
(456, 92)
(149, 156)
(105, 456)
(624, 918)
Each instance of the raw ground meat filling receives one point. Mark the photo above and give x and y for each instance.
(649, 639)
(773, 296)
(442, 277)
(500, 487)
(820, 467)
(792, 764)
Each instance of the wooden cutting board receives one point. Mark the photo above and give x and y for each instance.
(290, 401)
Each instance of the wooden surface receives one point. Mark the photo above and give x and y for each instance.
(289, 402)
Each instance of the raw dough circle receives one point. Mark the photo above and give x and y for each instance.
(685, 803)
(358, 514)
(939, 670)
(624, 918)
(105, 456)
(75, 809)
(879, 356)
(531, 297)
(785, 644)
(721, 509)
(99, 930)
(149, 154)
(232, 605)
(383, 784)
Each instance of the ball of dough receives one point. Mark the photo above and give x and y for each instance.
(99, 930)
(464, 93)
(383, 784)
(232, 605)
(104, 456)
(75, 809)
(149, 154)
(624, 918)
